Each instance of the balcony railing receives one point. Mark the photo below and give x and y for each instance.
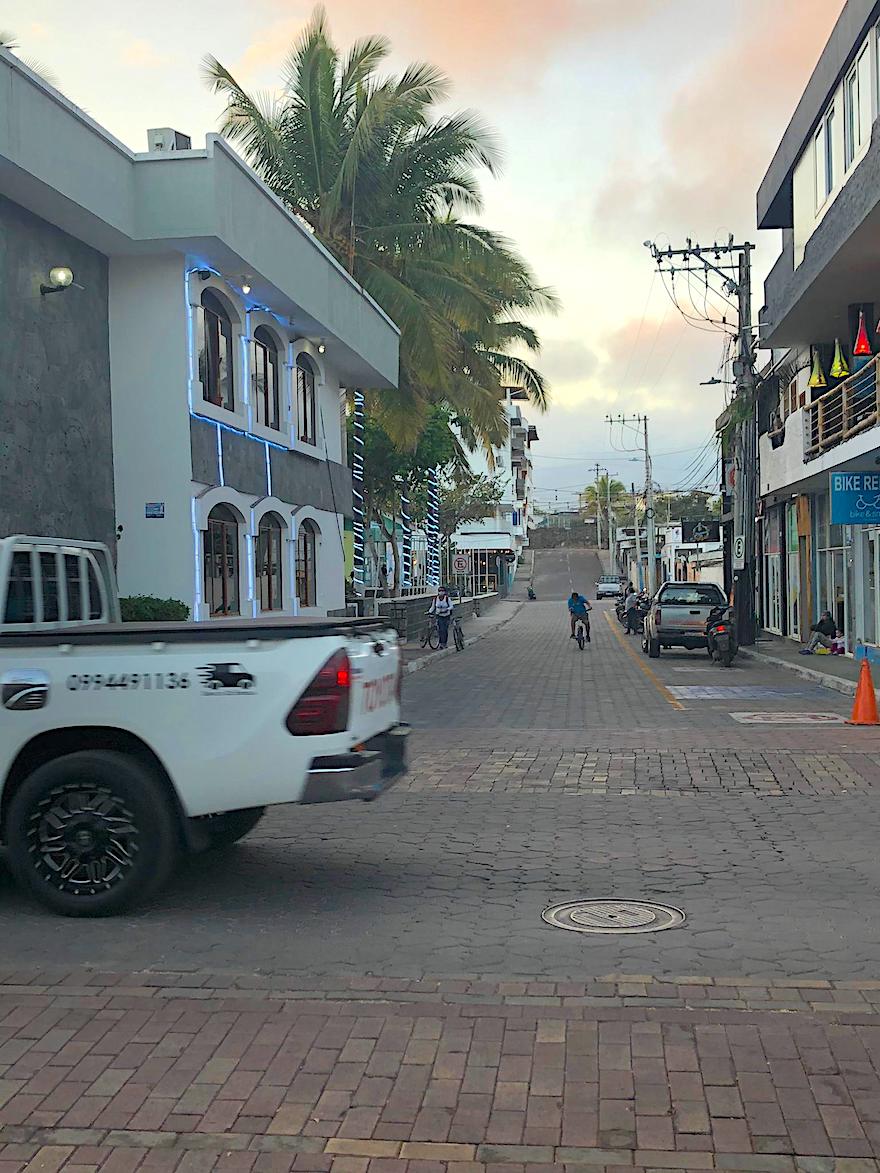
(841, 413)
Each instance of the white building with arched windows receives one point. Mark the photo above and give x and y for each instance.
(232, 338)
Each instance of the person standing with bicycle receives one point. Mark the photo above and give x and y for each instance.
(442, 608)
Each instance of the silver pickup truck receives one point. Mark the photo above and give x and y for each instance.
(678, 615)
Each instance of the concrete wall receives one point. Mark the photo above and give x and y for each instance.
(56, 457)
(409, 618)
(149, 362)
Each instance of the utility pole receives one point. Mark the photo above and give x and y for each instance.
(638, 581)
(610, 540)
(733, 264)
(598, 508)
(649, 515)
(651, 578)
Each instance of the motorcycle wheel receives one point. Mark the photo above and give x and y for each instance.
(727, 659)
(711, 651)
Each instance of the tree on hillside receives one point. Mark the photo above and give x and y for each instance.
(594, 499)
(694, 505)
(389, 185)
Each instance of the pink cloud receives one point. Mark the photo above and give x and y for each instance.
(720, 128)
(478, 41)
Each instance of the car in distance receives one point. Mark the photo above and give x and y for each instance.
(609, 586)
(678, 614)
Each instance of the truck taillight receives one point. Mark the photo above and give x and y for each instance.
(657, 615)
(323, 707)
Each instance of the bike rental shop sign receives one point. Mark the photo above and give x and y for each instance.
(855, 498)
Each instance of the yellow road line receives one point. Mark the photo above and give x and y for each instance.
(645, 667)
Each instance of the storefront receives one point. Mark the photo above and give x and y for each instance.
(793, 571)
(833, 575)
(773, 569)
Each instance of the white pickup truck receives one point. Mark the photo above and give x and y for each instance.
(123, 745)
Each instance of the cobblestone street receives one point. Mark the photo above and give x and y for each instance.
(372, 989)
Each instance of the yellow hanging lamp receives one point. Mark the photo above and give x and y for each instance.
(817, 375)
(839, 369)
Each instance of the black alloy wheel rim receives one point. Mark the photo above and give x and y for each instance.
(83, 839)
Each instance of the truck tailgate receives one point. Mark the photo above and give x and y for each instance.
(375, 670)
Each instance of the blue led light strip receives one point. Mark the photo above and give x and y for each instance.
(357, 488)
(433, 528)
(406, 544)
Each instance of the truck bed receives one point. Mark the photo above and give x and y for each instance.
(215, 631)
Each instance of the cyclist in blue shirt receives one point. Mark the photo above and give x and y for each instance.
(579, 607)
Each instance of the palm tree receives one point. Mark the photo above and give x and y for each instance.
(9, 42)
(389, 187)
(595, 499)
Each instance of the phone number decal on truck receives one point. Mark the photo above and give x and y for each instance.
(128, 680)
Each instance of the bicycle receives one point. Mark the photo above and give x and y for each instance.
(431, 633)
(581, 631)
(457, 634)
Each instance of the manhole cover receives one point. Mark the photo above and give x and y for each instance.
(613, 916)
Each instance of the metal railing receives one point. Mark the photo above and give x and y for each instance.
(846, 410)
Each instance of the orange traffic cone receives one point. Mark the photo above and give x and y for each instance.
(865, 706)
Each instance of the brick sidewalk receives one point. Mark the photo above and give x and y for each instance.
(194, 1071)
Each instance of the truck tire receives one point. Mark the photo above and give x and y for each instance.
(654, 648)
(225, 829)
(92, 833)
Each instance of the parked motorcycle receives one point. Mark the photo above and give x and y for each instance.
(643, 606)
(721, 638)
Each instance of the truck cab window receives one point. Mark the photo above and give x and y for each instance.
(73, 575)
(49, 587)
(95, 608)
(20, 595)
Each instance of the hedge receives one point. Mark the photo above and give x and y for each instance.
(148, 609)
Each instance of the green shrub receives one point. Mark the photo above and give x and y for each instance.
(147, 609)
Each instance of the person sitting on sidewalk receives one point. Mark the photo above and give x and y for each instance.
(823, 634)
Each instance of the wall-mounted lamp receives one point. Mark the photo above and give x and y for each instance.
(204, 274)
(321, 347)
(245, 285)
(60, 278)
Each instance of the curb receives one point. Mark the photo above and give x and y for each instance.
(847, 687)
(417, 665)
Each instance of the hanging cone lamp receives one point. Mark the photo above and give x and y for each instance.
(839, 368)
(862, 347)
(817, 375)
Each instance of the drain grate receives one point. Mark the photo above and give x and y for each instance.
(613, 916)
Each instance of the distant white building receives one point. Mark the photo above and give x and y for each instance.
(494, 545)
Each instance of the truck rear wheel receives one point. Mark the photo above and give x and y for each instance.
(92, 833)
(653, 648)
(225, 829)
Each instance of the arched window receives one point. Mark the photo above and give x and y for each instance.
(269, 572)
(306, 576)
(221, 562)
(305, 400)
(265, 378)
(216, 366)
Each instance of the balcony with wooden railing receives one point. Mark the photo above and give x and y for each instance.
(845, 411)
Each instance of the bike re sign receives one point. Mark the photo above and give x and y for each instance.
(855, 498)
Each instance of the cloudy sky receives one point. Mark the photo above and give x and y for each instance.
(621, 122)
